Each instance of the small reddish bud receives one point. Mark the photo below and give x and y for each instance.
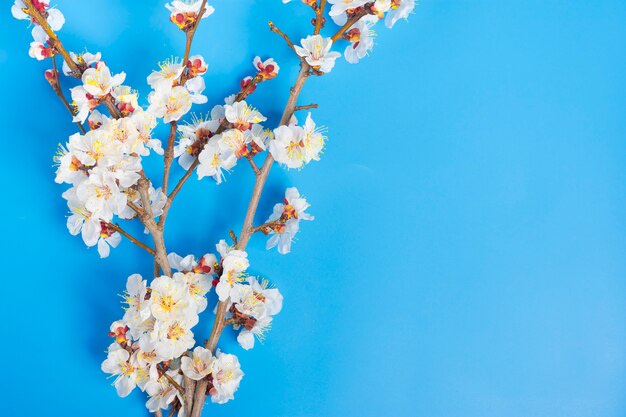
(245, 83)
(52, 77)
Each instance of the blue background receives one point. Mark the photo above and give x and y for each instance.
(467, 257)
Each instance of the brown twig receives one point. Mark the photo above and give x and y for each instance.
(190, 386)
(147, 218)
(319, 17)
(253, 165)
(170, 198)
(191, 32)
(260, 228)
(168, 155)
(109, 103)
(121, 231)
(56, 87)
(174, 383)
(308, 106)
(275, 29)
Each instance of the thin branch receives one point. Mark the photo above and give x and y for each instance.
(147, 218)
(319, 17)
(109, 103)
(253, 165)
(174, 383)
(170, 198)
(121, 231)
(56, 87)
(308, 106)
(274, 29)
(189, 39)
(233, 236)
(168, 156)
(260, 228)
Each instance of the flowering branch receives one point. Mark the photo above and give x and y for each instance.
(170, 198)
(54, 39)
(103, 165)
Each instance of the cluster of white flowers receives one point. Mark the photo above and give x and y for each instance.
(175, 87)
(284, 223)
(316, 50)
(229, 132)
(98, 84)
(294, 145)
(252, 306)
(245, 137)
(154, 336)
(251, 303)
(103, 166)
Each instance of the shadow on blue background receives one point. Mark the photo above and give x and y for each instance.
(467, 257)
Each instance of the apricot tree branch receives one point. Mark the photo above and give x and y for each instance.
(124, 233)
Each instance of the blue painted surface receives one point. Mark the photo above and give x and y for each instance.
(467, 257)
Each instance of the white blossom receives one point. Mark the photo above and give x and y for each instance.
(361, 39)
(174, 337)
(340, 7)
(267, 69)
(170, 299)
(86, 58)
(137, 307)
(98, 80)
(316, 51)
(198, 365)
(101, 194)
(295, 146)
(193, 137)
(170, 104)
(400, 9)
(227, 375)
(196, 65)
(286, 218)
(213, 159)
(162, 392)
(54, 16)
(234, 264)
(119, 364)
(84, 103)
(242, 116)
(169, 72)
